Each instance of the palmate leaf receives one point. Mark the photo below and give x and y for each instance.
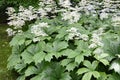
(22, 77)
(102, 59)
(32, 49)
(81, 45)
(95, 64)
(87, 64)
(17, 40)
(65, 62)
(87, 76)
(13, 60)
(70, 53)
(62, 32)
(59, 45)
(113, 76)
(82, 70)
(48, 57)
(103, 76)
(79, 58)
(96, 74)
(91, 66)
(52, 71)
(39, 57)
(65, 76)
(30, 70)
(27, 57)
(71, 66)
(38, 77)
(19, 67)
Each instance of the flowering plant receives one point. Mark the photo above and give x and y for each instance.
(65, 40)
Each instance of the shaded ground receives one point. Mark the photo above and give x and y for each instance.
(5, 51)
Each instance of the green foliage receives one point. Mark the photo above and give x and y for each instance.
(56, 57)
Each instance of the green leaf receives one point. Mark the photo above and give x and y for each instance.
(21, 41)
(96, 74)
(49, 48)
(27, 57)
(28, 42)
(13, 60)
(71, 66)
(19, 67)
(17, 40)
(104, 55)
(81, 45)
(79, 58)
(65, 62)
(30, 70)
(62, 32)
(82, 70)
(70, 53)
(87, 76)
(48, 57)
(94, 64)
(59, 45)
(31, 48)
(38, 77)
(35, 48)
(104, 61)
(39, 57)
(87, 64)
(65, 76)
(113, 76)
(22, 77)
(103, 76)
(41, 45)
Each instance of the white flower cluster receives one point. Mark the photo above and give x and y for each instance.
(68, 11)
(96, 40)
(18, 19)
(38, 29)
(116, 20)
(10, 32)
(65, 3)
(46, 6)
(116, 66)
(71, 16)
(75, 34)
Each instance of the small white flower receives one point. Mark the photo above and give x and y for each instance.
(42, 12)
(107, 3)
(73, 30)
(17, 23)
(71, 16)
(37, 29)
(93, 45)
(43, 24)
(71, 36)
(83, 2)
(73, 33)
(103, 15)
(116, 66)
(10, 10)
(65, 3)
(10, 32)
(84, 37)
(21, 8)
